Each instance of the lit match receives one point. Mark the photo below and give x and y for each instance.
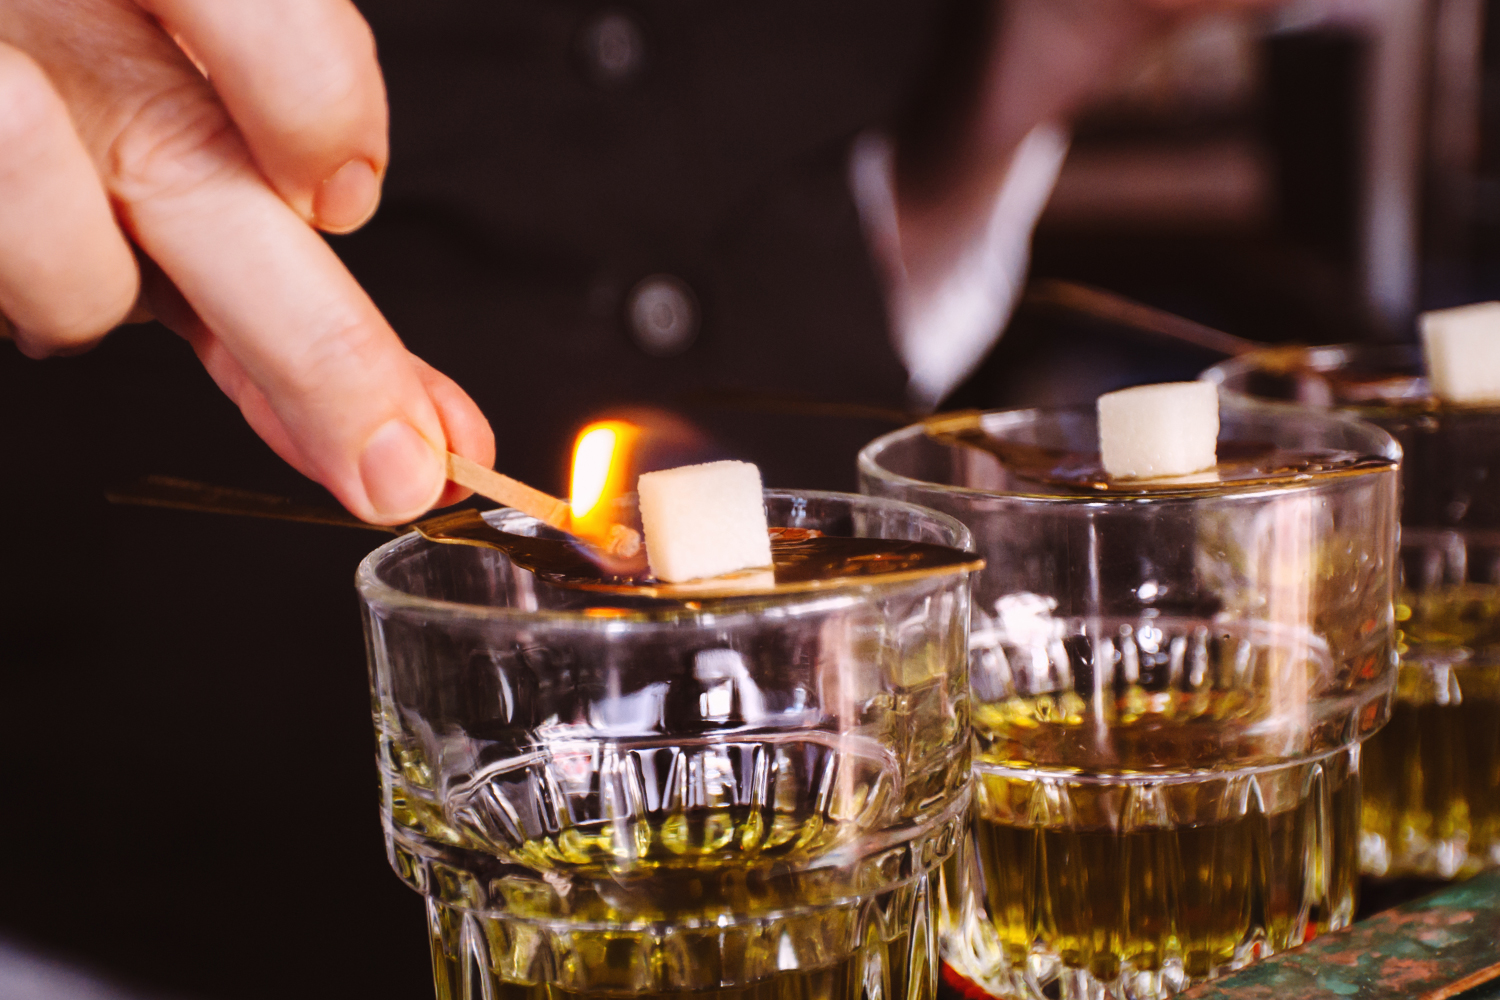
(614, 539)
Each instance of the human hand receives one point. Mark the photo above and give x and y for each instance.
(111, 135)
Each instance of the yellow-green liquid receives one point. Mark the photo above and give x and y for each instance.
(1149, 889)
(1432, 775)
(1196, 811)
(614, 966)
(834, 983)
(599, 931)
(811, 889)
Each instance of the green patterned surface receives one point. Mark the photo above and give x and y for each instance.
(1425, 949)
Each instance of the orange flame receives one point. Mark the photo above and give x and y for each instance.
(601, 471)
(608, 455)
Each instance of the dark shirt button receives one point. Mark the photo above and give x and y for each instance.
(663, 315)
(614, 47)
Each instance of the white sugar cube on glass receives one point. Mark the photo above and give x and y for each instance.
(1153, 431)
(703, 520)
(1463, 352)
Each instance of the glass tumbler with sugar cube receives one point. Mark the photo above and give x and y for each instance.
(1432, 777)
(1171, 680)
(607, 795)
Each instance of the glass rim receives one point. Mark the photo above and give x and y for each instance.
(1231, 401)
(377, 593)
(1319, 357)
(1396, 359)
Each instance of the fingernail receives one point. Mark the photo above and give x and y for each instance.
(346, 200)
(400, 471)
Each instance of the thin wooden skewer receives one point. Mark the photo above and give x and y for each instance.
(618, 541)
(184, 494)
(1115, 308)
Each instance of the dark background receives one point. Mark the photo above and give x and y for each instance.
(189, 797)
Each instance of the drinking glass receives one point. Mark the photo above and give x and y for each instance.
(1170, 686)
(603, 795)
(1432, 777)
(1146, 883)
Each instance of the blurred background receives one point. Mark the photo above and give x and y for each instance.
(1317, 176)
(189, 805)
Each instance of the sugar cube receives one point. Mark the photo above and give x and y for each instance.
(703, 520)
(1154, 431)
(1463, 352)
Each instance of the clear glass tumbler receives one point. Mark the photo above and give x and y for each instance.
(1170, 684)
(1432, 777)
(604, 796)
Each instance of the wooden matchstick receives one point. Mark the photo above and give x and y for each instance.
(618, 541)
(509, 492)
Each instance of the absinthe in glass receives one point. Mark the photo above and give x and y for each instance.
(625, 796)
(755, 860)
(1148, 812)
(1170, 681)
(693, 895)
(1432, 777)
(1159, 884)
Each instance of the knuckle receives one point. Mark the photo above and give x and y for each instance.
(344, 78)
(173, 142)
(334, 99)
(344, 346)
(28, 106)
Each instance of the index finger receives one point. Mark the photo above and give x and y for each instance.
(333, 372)
(266, 285)
(301, 81)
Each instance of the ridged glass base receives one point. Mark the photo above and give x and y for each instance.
(879, 947)
(859, 922)
(1136, 886)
